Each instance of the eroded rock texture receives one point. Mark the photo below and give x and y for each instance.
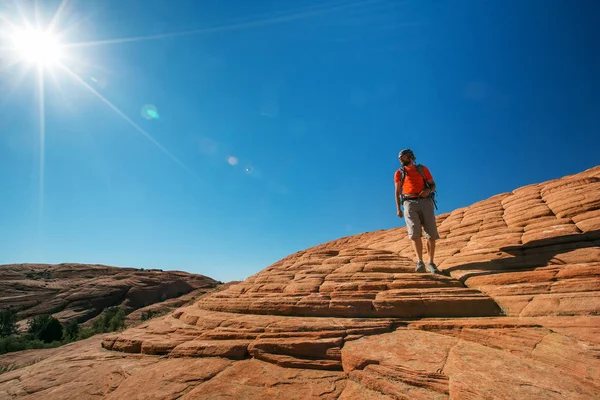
(81, 291)
(515, 314)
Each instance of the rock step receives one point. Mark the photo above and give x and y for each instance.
(395, 303)
(294, 342)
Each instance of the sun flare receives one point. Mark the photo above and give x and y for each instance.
(37, 46)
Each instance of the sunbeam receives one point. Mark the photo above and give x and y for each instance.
(24, 21)
(60, 91)
(57, 15)
(252, 23)
(126, 118)
(42, 118)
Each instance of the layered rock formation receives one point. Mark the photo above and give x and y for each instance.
(80, 292)
(515, 314)
(169, 305)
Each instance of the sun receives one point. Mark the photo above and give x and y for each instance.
(37, 46)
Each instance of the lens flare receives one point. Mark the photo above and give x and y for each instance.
(149, 112)
(232, 160)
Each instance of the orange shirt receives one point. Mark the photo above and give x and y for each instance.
(413, 183)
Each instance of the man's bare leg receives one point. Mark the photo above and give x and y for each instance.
(418, 247)
(431, 249)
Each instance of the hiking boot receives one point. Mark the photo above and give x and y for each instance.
(420, 267)
(432, 268)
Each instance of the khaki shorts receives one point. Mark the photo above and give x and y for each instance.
(419, 213)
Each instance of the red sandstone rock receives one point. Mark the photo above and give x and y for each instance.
(80, 292)
(476, 360)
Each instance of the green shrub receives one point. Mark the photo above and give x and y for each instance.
(45, 331)
(45, 328)
(8, 322)
(112, 319)
(71, 331)
(7, 368)
(25, 342)
(146, 315)
(85, 333)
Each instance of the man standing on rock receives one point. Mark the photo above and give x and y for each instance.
(414, 191)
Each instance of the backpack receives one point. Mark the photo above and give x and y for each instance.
(422, 173)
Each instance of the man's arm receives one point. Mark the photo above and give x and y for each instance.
(427, 191)
(398, 192)
(431, 184)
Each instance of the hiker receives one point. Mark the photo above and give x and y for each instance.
(415, 189)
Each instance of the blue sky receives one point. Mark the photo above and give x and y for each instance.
(309, 100)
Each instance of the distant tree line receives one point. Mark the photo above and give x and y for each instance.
(45, 331)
